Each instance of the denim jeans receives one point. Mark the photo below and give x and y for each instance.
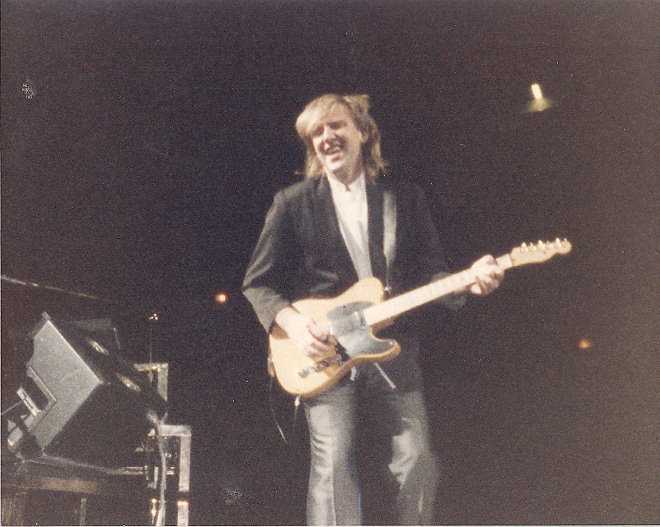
(334, 495)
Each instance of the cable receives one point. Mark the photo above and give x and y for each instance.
(272, 411)
(296, 405)
(11, 408)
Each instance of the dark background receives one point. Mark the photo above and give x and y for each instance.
(143, 142)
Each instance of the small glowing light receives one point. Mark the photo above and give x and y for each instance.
(221, 298)
(584, 344)
(539, 102)
(183, 509)
(154, 509)
(536, 91)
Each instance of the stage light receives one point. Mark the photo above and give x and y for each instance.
(539, 102)
(221, 298)
(584, 344)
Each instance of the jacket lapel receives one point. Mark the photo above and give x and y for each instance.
(375, 204)
(331, 242)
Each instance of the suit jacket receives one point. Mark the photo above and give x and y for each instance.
(301, 254)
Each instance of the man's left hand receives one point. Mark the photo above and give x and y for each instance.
(488, 276)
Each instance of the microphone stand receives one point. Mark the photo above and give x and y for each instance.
(6, 278)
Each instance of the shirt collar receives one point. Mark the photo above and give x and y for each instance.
(356, 186)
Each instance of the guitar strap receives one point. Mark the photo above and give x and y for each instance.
(389, 235)
(389, 248)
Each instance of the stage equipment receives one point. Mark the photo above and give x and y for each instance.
(82, 401)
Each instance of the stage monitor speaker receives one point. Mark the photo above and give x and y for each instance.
(82, 401)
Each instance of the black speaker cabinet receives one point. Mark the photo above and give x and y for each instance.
(82, 401)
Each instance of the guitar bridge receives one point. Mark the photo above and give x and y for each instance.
(335, 360)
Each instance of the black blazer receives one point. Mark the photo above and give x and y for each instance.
(301, 252)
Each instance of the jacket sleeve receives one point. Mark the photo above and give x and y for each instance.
(272, 265)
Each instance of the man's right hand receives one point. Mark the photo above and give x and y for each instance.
(310, 337)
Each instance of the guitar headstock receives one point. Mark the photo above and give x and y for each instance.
(538, 252)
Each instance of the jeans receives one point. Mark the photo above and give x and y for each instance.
(334, 495)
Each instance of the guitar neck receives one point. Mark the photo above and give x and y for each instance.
(398, 305)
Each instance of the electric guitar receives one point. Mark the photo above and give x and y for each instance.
(353, 317)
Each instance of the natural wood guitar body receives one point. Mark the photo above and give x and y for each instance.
(289, 361)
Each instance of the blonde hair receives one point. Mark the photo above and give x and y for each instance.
(358, 107)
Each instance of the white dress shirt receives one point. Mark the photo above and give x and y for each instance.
(352, 212)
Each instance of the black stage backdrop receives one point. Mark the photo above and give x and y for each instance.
(143, 142)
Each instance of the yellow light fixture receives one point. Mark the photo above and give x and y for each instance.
(539, 102)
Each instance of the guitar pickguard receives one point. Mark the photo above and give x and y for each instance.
(352, 333)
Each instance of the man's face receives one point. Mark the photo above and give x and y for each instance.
(338, 144)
